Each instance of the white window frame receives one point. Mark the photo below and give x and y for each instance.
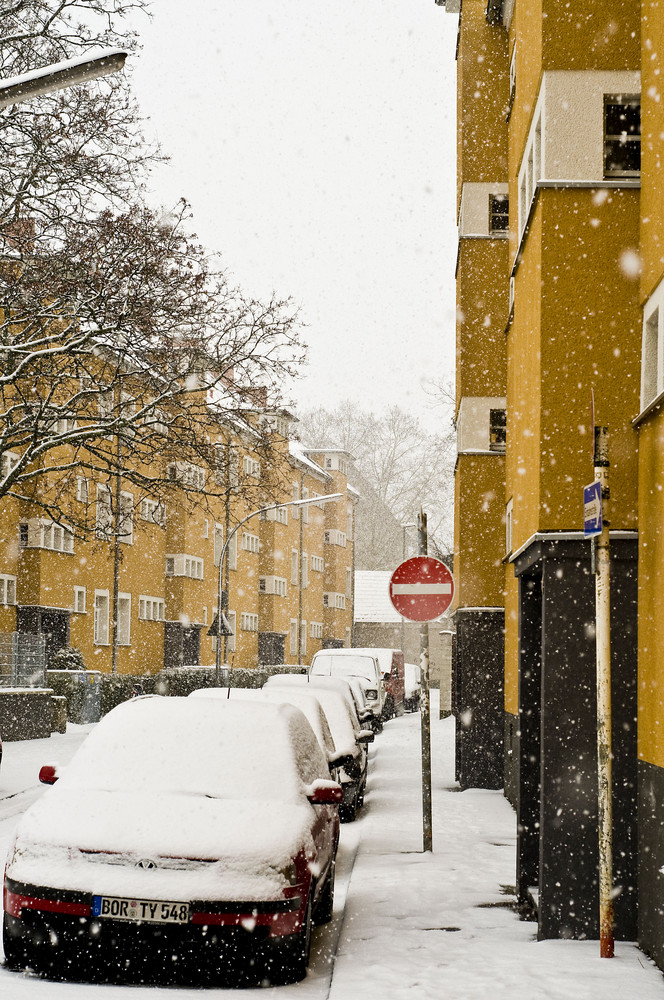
(292, 632)
(249, 621)
(79, 601)
(251, 466)
(218, 539)
(82, 489)
(317, 564)
(250, 542)
(316, 630)
(509, 525)
(305, 570)
(7, 590)
(295, 568)
(652, 348)
(231, 640)
(185, 564)
(9, 461)
(124, 619)
(295, 511)
(231, 552)
(104, 512)
(303, 639)
(102, 622)
(153, 511)
(305, 510)
(151, 609)
(126, 518)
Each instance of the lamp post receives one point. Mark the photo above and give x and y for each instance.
(230, 535)
(57, 76)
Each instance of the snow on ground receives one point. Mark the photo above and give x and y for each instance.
(421, 926)
(416, 926)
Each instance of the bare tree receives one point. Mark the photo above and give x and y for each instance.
(123, 350)
(400, 467)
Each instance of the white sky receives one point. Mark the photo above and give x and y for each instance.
(316, 143)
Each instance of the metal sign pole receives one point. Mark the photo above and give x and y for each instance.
(604, 736)
(425, 714)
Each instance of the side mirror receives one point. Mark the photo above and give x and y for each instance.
(344, 761)
(365, 736)
(48, 774)
(325, 793)
(386, 677)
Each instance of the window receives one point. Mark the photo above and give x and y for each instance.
(651, 359)
(157, 421)
(248, 622)
(622, 135)
(508, 526)
(124, 619)
(293, 637)
(104, 512)
(305, 510)
(335, 537)
(498, 214)
(79, 600)
(305, 570)
(9, 462)
(512, 82)
(334, 600)
(82, 489)
(206, 528)
(101, 618)
(232, 552)
(152, 511)
(183, 564)
(317, 564)
(296, 496)
(250, 543)
(7, 589)
(273, 585)
(218, 542)
(151, 609)
(186, 473)
(349, 582)
(279, 514)
(294, 572)
(231, 641)
(126, 520)
(250, 466)
(497, 430)
(303, 639)
(42, 534)
(316, 630)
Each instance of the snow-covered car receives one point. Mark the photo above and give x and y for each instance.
(349, 663)
(350, 741)
(185, 834)
(412, 686)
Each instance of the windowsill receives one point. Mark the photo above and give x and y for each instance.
(652, 406)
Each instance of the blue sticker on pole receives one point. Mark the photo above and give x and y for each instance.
(592, 509)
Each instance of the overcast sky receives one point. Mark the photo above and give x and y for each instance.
(316, 144)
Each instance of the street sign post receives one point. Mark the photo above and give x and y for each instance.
(592, 510)
(421, 589)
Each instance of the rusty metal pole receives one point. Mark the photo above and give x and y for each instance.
(604, 738)
(425, 715)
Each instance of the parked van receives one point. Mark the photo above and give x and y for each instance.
(353, 663)
(393, 676)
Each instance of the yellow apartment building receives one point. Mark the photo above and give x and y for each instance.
(153, 565)
(560, 86)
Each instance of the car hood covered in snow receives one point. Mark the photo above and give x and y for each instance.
(174, 846)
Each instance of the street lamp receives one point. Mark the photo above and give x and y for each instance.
(220, 619)
(57, 76)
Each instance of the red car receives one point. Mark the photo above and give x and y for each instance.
(185, 834)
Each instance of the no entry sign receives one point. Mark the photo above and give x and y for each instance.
(421, 589)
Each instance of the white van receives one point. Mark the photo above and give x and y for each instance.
(350, 663)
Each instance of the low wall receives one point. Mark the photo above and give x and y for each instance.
(25, 713)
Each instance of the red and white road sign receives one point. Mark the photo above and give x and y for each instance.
(421, 589)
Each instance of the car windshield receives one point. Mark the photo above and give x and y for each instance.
(345, 666)
(230, 750)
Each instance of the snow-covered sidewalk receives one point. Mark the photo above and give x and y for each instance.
(443, 924)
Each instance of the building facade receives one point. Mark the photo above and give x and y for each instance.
(573, 94)
(139, 592)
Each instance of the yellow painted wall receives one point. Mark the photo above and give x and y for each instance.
(652, 146)
(590, 35)
(482, 309)
(483, 98)
(480, 531)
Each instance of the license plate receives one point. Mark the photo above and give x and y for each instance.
(151, 911)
